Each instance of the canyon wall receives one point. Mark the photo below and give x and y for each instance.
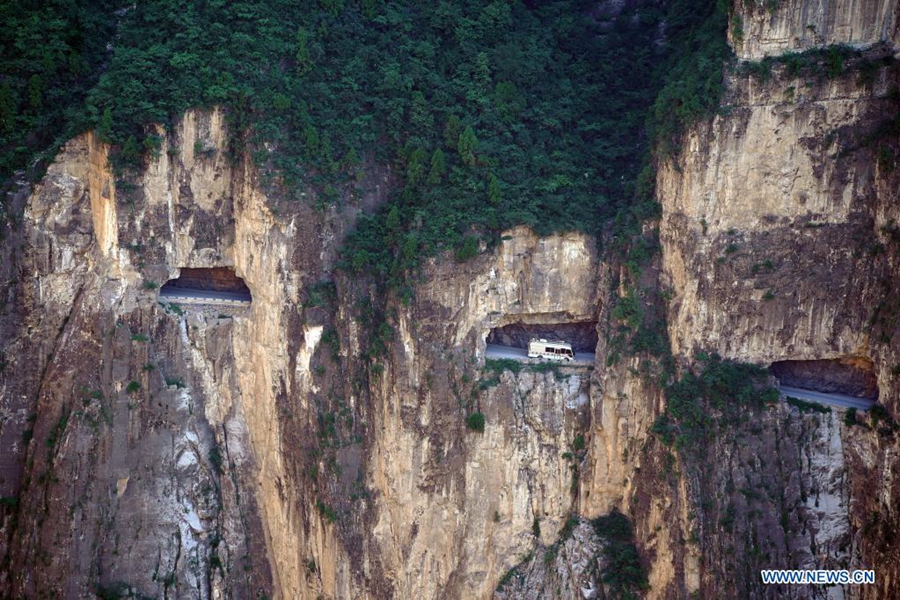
(762, 28)
(219, 452)
(779, 235)
(319, 443)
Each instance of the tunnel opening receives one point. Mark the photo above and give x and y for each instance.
(581, 335)
(213, 284)
(848, 376)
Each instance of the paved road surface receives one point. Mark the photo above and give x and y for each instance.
(839, 400)
(498, 351)
(202, 296)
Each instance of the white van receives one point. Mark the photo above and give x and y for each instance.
(553, 350)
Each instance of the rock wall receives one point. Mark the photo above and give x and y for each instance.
(318, 443)
(279, 454)
(776, 218)
(762, 28)
(778, 244)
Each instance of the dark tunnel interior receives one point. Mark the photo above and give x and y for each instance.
(582, 335)
(850, 376)
(216, 279)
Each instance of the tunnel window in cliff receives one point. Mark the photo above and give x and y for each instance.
(846, 376)
(218, 285)
(511, 341)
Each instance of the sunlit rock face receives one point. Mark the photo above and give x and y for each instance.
(779, 247)
(198, 410)
(268, 451)
(762, 28)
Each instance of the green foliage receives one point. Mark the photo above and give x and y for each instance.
(850, 417)
(467, 249)
(330, 338)
(438, 168)
(491, 114)
(114, 591)
(328, 513)
(694, 76)
(321, 293)
(829, 62)
(302, 57)
(881, 419)
(57, 430)
(52, 55)
(622, 571)
(699, 403)
(578, 443)
(140, 337)
(498, 365)
(467, 146)
(495, 193)
(475, 421)
(806, 407)
(215, 458)
(177, 382)
(132, 387)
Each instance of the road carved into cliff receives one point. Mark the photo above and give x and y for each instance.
(194, 296)
(837, 400)
(498, 351)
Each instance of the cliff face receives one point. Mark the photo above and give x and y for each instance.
(762, 28)
(315, 443)
(789, 178)
(277, 450)
(778, 234)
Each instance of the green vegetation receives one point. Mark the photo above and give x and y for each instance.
(132, 387)
(140, 337)
(327, 512)
(766, 265)
(622, 571)
(58, 429)
(177, 382)
(52, 53)
(698, 404)
(881, 420)
(320, 293)
(475, 421)
(115, 591)
(694, 72)
(578, 443)
(498, 365)
(215, 458)
(491, 114)
(829, 62)
(850, 417)
(805, 406)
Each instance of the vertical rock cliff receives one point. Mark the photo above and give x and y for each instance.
(779, 243)
(320, 442)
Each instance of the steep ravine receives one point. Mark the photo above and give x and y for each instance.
(779, 243)
(280, 453)
(315, 444)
